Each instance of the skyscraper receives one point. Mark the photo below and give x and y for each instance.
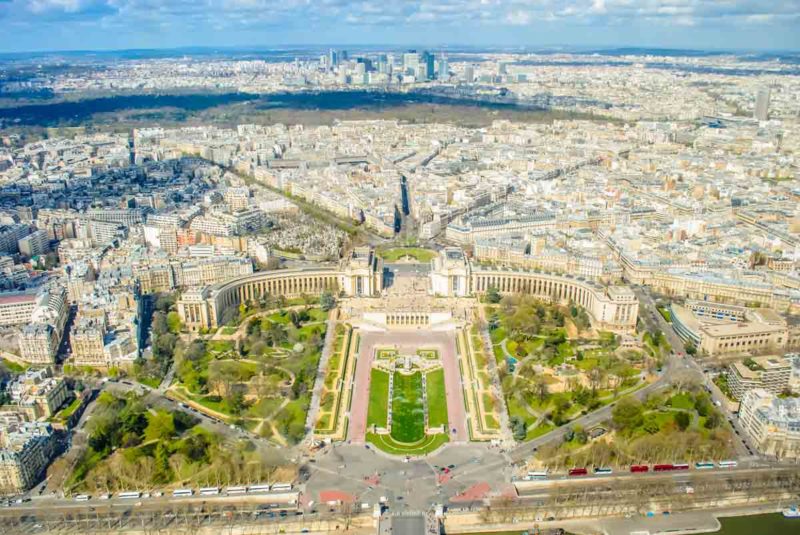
(443, 69)
(469, 74)
(410, 62)
(762, 104)
(428, 60)
(333, 59)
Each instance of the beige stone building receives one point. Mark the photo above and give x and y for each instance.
(772, 423)
(27, 448)
(38, 393)
(755, 331)
(38, 343)
(87, 342)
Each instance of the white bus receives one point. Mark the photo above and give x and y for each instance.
(180, 493)
(536, 475)
(255, 489)
(209, 491)
(232, 491)
(82, 498)
(129, 495)
(281, 487)
(728, 464)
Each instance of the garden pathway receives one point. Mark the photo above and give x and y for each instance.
(319, 382)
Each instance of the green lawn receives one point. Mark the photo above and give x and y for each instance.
(681, 401)
(437, 403)
(264, 407)
(499, 356)
(13, 366)
(68, 411)
(539, 430)
(497, 335)
(386, 354)
(219, 346)
(430, 354)
(378, 398)
(425, 445)
(408, 421)
(417, 253)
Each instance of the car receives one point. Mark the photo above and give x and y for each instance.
(451, 466)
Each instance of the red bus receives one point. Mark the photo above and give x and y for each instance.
(578, 472)
(682, 466)
(637, 468)
(663, 467)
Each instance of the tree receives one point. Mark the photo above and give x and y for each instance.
(595, 377)
(651, 425)
(159, 325)
(713, 420)
(540, 388)
(230, 316)
(327, 301)
(518, 428)
(163, 472)
(164, 302)
(493, 295)
(627, 414)
(160, 426)
(682, 419)
(174, 322)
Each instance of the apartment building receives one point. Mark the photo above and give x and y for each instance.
(16, 308)
(772, 423)
(34, 244)
(38, 343)
(88, 341)
(10, 236)
(27, 449)
(38, 393)
(770, 373)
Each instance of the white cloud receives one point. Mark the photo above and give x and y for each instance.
(232, 14)
(40, 6)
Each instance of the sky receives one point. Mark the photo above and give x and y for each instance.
(34, 25)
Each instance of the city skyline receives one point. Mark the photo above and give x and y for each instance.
(42, 25)
(407, 287)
